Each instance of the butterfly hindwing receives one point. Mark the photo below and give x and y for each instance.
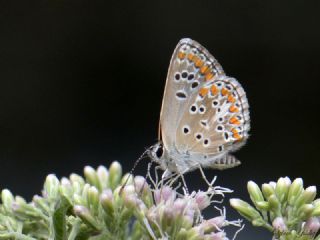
(217, 119)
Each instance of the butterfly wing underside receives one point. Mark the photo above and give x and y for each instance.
(216, 123)
(190, 66)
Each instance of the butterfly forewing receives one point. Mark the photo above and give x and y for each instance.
(190, 68)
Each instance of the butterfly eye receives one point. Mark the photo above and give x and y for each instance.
(159, 151)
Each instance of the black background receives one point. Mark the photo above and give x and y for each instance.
(81, 82)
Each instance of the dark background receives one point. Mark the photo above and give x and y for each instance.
(81, 82)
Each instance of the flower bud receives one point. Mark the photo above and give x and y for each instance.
(312, 226)
(106, 200)
(103, 176)
(92, 177)
(115, 173)
(75, 178)
(245, 209)
(165, 194)
(202, 200)
(274, 204)
(213, 224)
(127, 179)
(267, 190)
(51, 186)
(218, 236)
(295, 189)
(282, 189)
(255, 192)
(316, 210)
(305, 211)
(279, 224)
(93, 198)
(140, 184)
(307, 196)
(179, 206)
(7, 199)
(85, 216)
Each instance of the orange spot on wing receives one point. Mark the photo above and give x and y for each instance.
(214, 90)
(233, 109)
(190, 56)
(197, 61)
(231, 98)
(234, 120)
(224, 92)
(203, 92)
(181, 55)
(209, 76)
(235, 134)
(204, 69)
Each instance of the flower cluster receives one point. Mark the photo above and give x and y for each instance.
(167, 214)
(108, 205)
(283, 207)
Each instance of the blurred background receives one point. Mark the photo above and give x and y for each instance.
(81, 83)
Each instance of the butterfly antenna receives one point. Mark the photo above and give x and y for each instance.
(134, 167)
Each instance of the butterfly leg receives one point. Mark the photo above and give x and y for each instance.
(210, 184)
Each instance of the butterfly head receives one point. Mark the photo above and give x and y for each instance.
(159, 154)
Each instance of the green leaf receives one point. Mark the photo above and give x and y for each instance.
(59, 219)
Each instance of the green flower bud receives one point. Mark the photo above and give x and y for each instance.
(93, 198)
(84, 194)
(307, 196)
(127, 179)
(85, 216)
(316, 210)
(182, 234)
(245, 209)
(103, 176)
(7, 200)
(274, 204)
(316, 202)
(40, 203)
(305, 211)
(51, 187)
(115, 172)
(78, 200)
(295, 190)
(267, 190)
(106, 200)
(263, 205)
(255, 192)
(92, 177)
(282, 189)
(75, 178)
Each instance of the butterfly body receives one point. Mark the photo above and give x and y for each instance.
(204, 115)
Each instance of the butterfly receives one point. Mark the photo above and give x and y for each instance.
(204, 115)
